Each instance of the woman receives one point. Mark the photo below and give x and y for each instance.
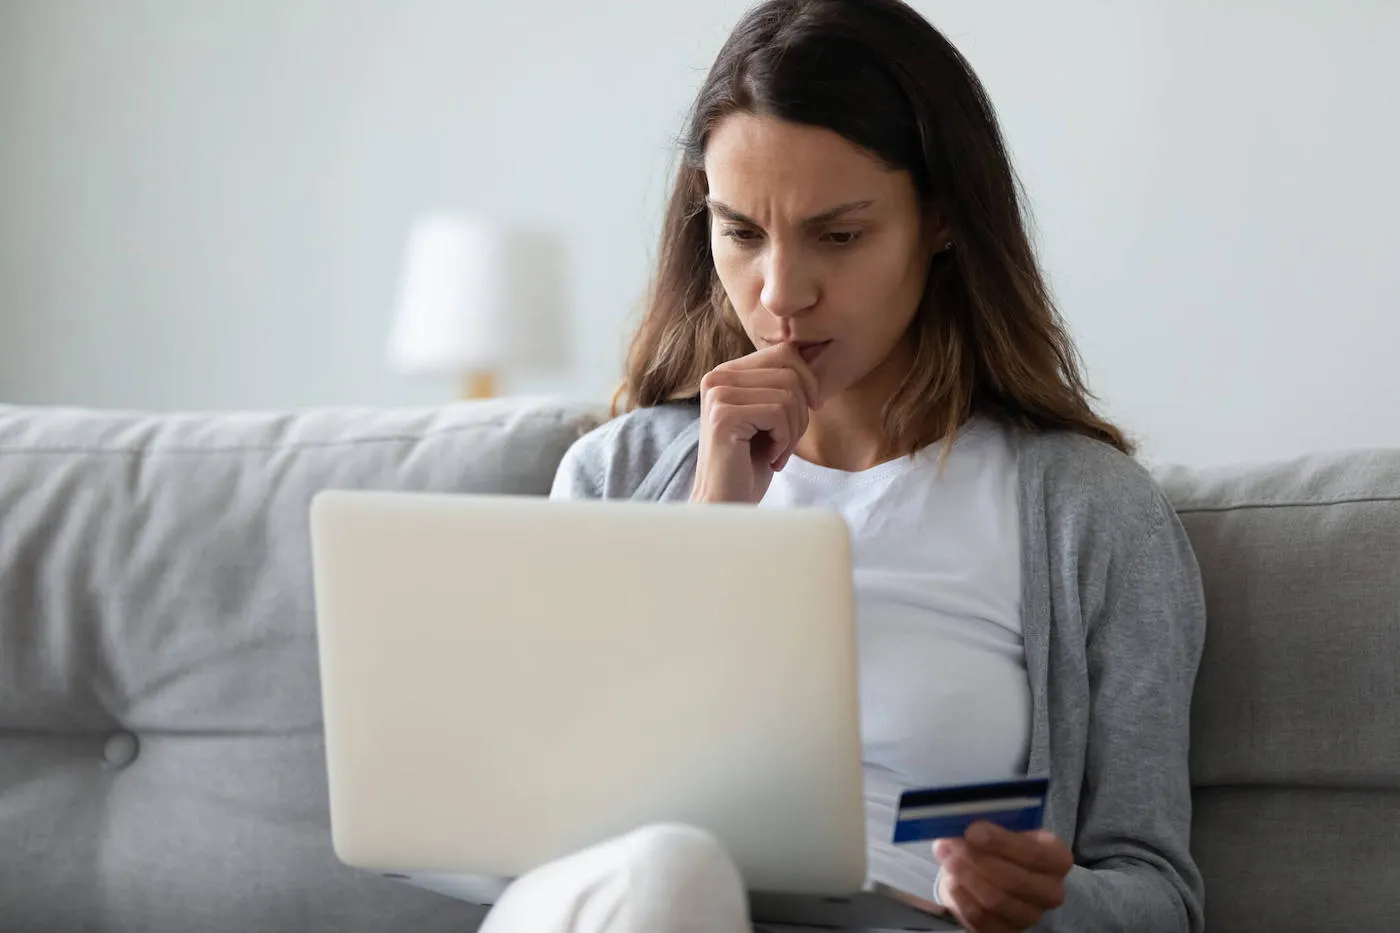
(848, 313)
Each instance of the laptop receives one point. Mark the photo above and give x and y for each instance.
(509, 680)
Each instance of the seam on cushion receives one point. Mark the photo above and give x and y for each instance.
(120, 724)
(1247, 506)
(261, 448)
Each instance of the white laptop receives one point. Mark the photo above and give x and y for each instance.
(507, 680)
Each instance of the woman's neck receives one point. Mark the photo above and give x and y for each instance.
(848, 433)
(842, 439)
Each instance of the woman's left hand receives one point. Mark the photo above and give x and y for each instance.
(997, 881)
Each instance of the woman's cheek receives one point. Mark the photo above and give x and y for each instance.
(739, 289)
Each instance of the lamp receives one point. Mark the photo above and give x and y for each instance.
(475, 298)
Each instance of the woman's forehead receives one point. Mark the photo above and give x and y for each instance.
(808, 168)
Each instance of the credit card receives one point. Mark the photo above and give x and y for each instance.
(946, 812)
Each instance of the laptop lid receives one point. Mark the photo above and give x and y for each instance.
(507, 680)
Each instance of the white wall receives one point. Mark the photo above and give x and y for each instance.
(203, 204)
(1216, 186)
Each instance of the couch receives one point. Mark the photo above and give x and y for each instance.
(161, 753)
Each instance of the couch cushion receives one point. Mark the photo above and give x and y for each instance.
(161, 760)
(1298, 699)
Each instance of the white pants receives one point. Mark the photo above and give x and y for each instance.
(665, 878)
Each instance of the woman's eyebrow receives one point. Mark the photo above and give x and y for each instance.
(720, 209)
(837, 212)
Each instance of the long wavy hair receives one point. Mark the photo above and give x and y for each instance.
(987, 337)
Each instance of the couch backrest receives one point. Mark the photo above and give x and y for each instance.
(1296, 716)
(160, 748)
(161, 759)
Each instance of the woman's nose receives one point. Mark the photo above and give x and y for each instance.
(789, 288)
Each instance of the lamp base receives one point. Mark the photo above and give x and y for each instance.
(478, 383)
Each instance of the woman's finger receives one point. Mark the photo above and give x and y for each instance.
(1041, 852)
(778, 357)
(735, 408)
(737, 414)
(987, 907)
(976, 900)
(748, 422)
(1043, 891)
(775, 376)
(968, 910)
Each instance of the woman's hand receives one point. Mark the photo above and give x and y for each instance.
(997, 881)
(753, 411)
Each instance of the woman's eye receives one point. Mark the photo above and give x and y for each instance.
(741, 234)
(841, 237)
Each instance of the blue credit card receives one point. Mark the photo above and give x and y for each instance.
(947, 812)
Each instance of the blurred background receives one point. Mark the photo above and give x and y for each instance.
(247, 204)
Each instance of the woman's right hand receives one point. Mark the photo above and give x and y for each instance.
(753, 411)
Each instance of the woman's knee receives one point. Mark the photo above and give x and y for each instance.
(681, 879)
(662, 878)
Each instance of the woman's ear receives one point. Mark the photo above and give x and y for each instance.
(938, 232)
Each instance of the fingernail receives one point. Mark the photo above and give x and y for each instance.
(979, 834)
(942, 849)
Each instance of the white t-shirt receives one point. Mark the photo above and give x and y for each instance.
(945, 697)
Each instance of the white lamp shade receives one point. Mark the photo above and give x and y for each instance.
(478, 296)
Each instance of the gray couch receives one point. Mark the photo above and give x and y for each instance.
(160, 748)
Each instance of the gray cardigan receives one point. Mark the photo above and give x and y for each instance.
(1113, 618)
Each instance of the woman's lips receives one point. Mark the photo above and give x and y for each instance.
(810, 350)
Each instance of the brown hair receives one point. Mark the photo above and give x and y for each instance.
(987, 338)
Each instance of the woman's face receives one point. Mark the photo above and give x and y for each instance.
(818, 244)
